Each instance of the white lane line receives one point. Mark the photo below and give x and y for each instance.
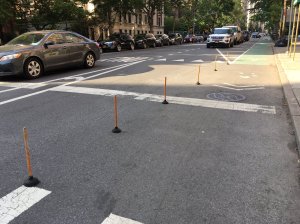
(69, 83)
(235, 60)
(239, 89)
(225, 58)
(179, 60)
(18, 86)
(115, 219)
(240, 86)
(198, 61)
(18, 201)
(175, 100)
(163, 59)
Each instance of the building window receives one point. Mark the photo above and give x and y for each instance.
(146, 21)
(142, 31)
(120, 30)
(129, 18)
(130, 32)
(140, 19)
(157, 32)
(138, 32)
(125, 31)
(159, 21)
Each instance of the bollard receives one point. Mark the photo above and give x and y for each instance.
(216, 63)
(228, 58)
(165, 92)
(116, 129)
(31, 181)
(198, 82)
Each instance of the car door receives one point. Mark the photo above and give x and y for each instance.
(75, 47)
(55, 53)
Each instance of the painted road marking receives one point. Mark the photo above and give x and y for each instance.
(198, 61)
(18, 201)
(123, 59)
(115, 219)
(174, 100)
(179, 60)
(11, 84)
(69, 83)
(163, 59)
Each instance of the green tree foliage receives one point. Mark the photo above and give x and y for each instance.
(268, 12)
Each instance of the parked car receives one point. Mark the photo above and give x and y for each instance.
(246, 35)
(145, 40)
(255, 35)
(33, 53)
(117, 42)
(237, 34)
(175, 38)
(199, 38)
(282, 42)
(164, 38)
(190, 38)
(221, 37)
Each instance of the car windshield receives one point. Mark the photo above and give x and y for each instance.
(221, 31)
(113, 37)
(172, 35)
(158, 36)
(149, 35)
(27, 39)
(234, 29)
(140, 37)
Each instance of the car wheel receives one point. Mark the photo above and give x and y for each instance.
(207, 45)
(33, 68)
(118, 48)
(235, 42)
(131, 47)
(144, 45)
(89, 60)
(101, 51)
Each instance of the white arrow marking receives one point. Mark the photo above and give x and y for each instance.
(245, 77)
(164, 59)
(239, 86)
(198, 61)
(18, 201)
(180, 60)
(115, 219)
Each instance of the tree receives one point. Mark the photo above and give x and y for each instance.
(268, 12)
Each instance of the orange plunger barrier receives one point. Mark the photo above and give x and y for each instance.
(165, 92)
(116, 129)
(31, 181)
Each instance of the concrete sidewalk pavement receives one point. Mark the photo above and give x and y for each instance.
(289, 72)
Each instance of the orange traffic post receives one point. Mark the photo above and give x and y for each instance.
(228, 58)
(31, 181)
(198, 81)
(165, 92)
(116, 129)
(216, 63)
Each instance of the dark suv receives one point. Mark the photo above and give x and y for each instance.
(117, 42)
(175, 38)
(145, 40)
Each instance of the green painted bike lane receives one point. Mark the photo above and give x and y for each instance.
(259, 54)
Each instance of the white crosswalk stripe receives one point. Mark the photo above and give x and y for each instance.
(124, 59)
(18, 201)
(179, 60)
(115, 219)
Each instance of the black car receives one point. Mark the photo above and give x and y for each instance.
(145, 40)
(117, 42)
(246, 35)
(163, 39)
(175, 38)
(33, 53)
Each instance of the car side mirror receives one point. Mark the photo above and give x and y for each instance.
(48, 43)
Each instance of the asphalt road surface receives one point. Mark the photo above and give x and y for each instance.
(219, 152)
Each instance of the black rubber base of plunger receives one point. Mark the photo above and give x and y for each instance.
(216, 70)
(31, 182)
(197, 83)
(116, 130)
(165, 102)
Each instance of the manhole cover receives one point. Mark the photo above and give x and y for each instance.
(229, 97)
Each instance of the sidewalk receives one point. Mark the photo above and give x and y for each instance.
(289, 72)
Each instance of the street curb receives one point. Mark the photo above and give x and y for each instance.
(293, 104)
